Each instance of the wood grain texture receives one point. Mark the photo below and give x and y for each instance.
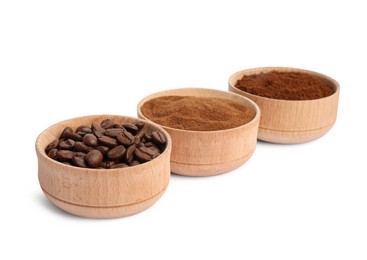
(292, 121)
(101, 193)
(205, 153)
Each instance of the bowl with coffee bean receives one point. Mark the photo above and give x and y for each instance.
(212, 131)
(103, 166)
(297, 105)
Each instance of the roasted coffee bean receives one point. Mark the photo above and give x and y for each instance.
(107, 164)
(94, 158)
(158, 137)
(81, 147)
(67, 144)
(53, 145)
(90, 140)
(108, 141)
(99, 129)
(140, 125)
(116, 153)
(139, 136)
(65, 131)
(142, 155)
(118, 126)
(65, 155)
(103, 149)
(147, 137)
(155, 149)
(108, 145)
(83, 130)
(107, 124)
(131, 128)
(126, 138)
(73, 136)
(118, 165)
(129, 156)
(149, 144)
(52, 153)
(78, 159)
(113, 132)
(148, 151)
(135, 162)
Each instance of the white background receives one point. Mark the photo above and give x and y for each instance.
(62, 59)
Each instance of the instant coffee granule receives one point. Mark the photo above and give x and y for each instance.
(197, 113)
(285, 85)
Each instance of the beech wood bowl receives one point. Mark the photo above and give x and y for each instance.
(291, 121)
(101, 193)
(205, 153)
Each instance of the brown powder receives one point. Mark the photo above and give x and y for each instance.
(197, 113)
(285, 85)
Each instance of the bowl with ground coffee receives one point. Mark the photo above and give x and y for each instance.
(103, 166)
(212, 131)
(297, 105)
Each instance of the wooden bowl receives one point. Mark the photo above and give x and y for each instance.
(101, 193)
(205, 153)
(292, 121)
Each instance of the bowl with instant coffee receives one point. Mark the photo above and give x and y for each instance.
(212, 131)
(103, 166)
(297, 105)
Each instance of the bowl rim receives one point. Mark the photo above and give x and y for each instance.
(228, 93)
(42, 152)
(334, 84)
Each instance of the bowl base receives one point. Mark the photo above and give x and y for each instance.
(288, 137)
(202, 170)
(103, 212)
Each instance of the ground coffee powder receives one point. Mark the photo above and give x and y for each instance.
(285, 85)
(197, 113)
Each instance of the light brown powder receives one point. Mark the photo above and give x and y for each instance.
(197, 113)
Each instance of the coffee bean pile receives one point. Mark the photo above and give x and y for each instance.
(108, 145)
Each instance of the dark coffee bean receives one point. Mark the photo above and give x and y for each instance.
(67, 144)
(135, 162)
(130, 153)
(53, 145)
(65, 131)
(107, 124)
(140, 145)
(126, 138)
(81, 147)
(140, 125)
(158, 137)
(98, 134)
(155, 149)
(108, 141)
(52, 153)
(65, 155)
(83, 130)
(116, 153)
(73, 136)
(107, 164)
(118, 165)
(90, 140)
(131, 128)
(99, 129)
(103, 149)
(118, 126)
(147, 137)
(148, 151)
(113, 132)
(94, 158)
(139, 136)
(149, 144)
(142, 156)
(78, 159)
